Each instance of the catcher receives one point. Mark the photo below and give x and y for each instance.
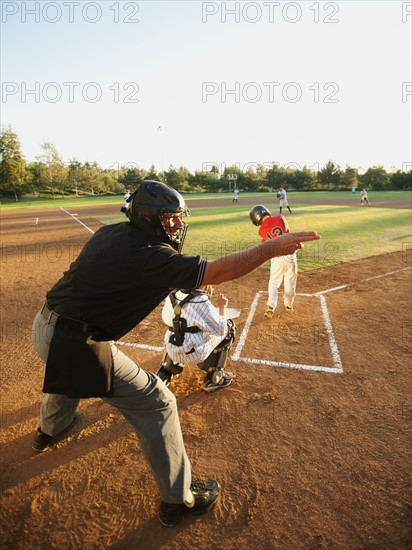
(282, 268)
(198, 332)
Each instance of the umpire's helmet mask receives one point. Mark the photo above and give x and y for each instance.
(151, 207)
(257, 213)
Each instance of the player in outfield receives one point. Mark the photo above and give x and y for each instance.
(198, 333)
(364, 197)
(122, 274)
(283, 269)
(283, 200)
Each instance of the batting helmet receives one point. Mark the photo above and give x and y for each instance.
(150, 203)
(257, 213)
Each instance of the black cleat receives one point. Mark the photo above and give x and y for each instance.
(42, 441)
(206, 495)
(165, 375)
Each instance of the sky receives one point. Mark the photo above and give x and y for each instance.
(195, 83)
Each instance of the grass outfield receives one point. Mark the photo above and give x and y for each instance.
(348, 233)
(293, 196)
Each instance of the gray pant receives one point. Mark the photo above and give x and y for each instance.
(145, 401)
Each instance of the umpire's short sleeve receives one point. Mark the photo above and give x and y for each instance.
(173, 270)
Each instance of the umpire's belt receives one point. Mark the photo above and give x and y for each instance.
(192, 330)
(51, 318)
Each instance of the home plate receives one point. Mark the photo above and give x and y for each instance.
(232, 313)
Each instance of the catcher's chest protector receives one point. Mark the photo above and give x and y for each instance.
(179, 323)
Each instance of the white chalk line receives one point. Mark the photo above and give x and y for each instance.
(296, 366)
(337, 369)
(329, 330)
(140, 346)
(73, 216)
(362, 281)
(242, 339)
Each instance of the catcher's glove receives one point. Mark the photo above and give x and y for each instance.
(278, 195)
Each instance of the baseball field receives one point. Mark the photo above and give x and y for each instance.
(311, 443)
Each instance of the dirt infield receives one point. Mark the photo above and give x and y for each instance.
(311, 443)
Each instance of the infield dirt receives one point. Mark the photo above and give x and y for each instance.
(306, 459)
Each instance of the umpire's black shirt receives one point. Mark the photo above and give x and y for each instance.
(121, 275)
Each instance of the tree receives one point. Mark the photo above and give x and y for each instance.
(177, 178)
(329, 176)
(91, 177)
(208, 181)
(401, 180)
(152, 174)
(75, 174)
(12, 165)
(109, 181)
(52, 167)
(132, 177)
(300, 179)
(276, 177)
(375, 177)
(349, 177)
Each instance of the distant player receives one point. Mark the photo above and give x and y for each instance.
(126, 199)
(283, 201)
(282, 268)
(235, 195)
(364, 197)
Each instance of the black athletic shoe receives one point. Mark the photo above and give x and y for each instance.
(206, 495)
(42, 441)
(165, 375)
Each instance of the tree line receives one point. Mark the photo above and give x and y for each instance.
(50, 175)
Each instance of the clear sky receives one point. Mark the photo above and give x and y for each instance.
(192, 83)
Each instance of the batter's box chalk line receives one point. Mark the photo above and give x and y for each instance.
(337, 369)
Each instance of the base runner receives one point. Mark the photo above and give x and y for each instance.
(282, 268)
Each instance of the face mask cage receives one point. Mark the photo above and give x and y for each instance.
(175, 236)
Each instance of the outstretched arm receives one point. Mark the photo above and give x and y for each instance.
(238, 264)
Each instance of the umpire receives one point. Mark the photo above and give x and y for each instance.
(122, 274)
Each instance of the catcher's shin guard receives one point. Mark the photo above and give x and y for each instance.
(218, 358)
(168, 365)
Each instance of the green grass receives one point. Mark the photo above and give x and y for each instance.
(348, 233)
(269, 198)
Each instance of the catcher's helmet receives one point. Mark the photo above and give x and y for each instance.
(257, 213)
(150, 203)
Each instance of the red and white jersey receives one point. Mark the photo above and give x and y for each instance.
(273, 227)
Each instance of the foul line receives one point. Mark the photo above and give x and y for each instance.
(77, 220)
(351, 284)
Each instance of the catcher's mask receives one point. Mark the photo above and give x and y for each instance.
(158, 209)
(257, 213)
